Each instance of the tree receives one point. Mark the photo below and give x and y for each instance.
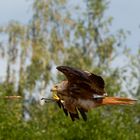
(56, 35)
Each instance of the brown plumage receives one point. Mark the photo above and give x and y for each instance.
(81, 92)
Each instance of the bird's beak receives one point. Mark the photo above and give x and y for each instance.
(53, 89)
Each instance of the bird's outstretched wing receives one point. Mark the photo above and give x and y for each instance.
(83, 80)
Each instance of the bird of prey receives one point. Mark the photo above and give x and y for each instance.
(81, 92)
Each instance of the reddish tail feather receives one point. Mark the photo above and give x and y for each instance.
(117, 101)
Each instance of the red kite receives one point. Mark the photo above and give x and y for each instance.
(81, 92)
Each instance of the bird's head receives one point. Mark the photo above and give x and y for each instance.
(60, 90)
(61, 87)
(55, 88)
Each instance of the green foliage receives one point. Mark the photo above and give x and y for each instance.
(55, 36)
(48, 122)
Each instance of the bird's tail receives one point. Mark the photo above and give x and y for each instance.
(117, 101)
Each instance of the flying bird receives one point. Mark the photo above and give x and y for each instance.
(81, 92)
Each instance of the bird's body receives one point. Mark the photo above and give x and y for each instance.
(70, 98)
(81, 92)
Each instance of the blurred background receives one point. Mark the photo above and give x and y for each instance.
(100, 36)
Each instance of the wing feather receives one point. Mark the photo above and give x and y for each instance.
(83, 80)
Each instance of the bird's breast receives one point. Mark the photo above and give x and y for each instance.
(86, 104)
